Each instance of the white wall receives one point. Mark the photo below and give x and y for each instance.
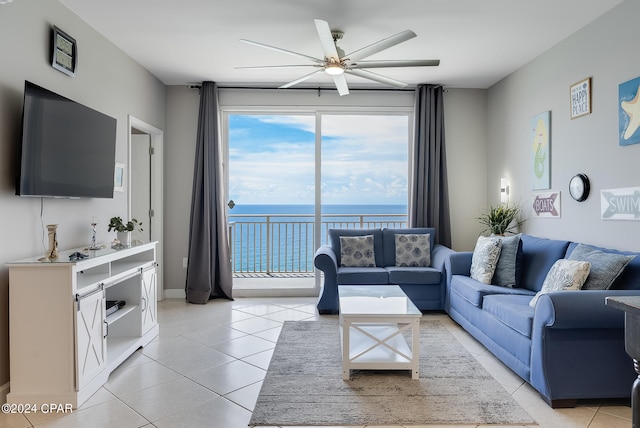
(607, 51)
(466, 140)
(179, 152)
(106, 80)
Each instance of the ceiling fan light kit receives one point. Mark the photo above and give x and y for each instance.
(335, 63)
(334, 69)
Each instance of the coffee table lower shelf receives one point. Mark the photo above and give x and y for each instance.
(379, 346)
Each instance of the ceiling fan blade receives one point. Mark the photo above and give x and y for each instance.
(299, 55)
(341, 84)
(398, 63)
(301, 79)
(258, 67)
(381, 45)
(326, 39)
(377, 78)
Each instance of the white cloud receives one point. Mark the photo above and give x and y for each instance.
(364, 161)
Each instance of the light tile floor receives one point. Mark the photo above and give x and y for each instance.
(207, 365)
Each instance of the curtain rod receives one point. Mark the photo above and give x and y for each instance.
(319, 88)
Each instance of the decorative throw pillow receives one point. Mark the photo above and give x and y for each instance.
(485, 258)
(605, 267)
(564, 275)
(413, 249)
(507, 272)
(357, 251)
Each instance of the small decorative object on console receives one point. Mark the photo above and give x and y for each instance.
(124, 230)
(52, 251)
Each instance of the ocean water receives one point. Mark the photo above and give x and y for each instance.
(326, 209)
(280, 238)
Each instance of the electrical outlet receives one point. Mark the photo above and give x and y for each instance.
(185, 261)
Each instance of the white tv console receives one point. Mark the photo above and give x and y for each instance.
(62, 346)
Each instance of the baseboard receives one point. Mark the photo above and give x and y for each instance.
(4, 390)
(174, 293)
(276, 292)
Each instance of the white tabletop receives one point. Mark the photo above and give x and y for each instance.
(378, 300)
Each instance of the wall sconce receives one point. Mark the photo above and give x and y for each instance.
(504, 190)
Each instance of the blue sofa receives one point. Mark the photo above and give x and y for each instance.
(570, 346)
(425, 286)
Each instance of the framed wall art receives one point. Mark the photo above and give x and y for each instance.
(629, 112)
(546, 205)
(118, 178)
(64, 52)
(541, 151)
(580, 98)
(620, 204)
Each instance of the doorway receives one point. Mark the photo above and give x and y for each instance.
(145, 186)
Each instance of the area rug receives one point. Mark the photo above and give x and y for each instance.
(304, 385)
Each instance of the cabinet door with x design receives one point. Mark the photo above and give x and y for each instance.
(90, 336)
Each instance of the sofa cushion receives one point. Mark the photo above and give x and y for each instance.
(473, 291)
(564, 275)
(357, 251)
(605, 266)
(509, 268)
(538, 255)
(413, 249)
(334, 241)
(362, 275)
(513, 311)
(629, 279)
(389, 241)
(413, 275)
(485, 258)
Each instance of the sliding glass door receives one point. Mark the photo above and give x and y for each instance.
(364, 170)
(291, 177)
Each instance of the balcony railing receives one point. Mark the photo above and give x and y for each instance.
(285, 243)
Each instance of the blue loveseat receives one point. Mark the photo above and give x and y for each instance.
(425, 286)
(569, 346)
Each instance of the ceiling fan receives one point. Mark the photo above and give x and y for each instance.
(336, 63)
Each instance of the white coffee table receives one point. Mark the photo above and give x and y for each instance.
(372, 319)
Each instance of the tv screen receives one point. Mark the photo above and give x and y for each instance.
(68, 149)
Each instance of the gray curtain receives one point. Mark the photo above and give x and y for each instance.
(429, 202)
(209, 272)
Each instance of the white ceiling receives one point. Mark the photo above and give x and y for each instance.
(478, 41)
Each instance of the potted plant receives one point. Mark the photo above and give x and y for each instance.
(124, 229)
(501, 219)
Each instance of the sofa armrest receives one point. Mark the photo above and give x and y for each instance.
(458, 263)
(578, 346)
(439, 255)
(325, 259)
(579, 310)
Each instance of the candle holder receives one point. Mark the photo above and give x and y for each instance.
(94, 245)
(52, 252)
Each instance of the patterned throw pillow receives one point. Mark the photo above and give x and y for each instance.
(605, 267)
(485, 258)
(564, 275)
(413, 249)
(357, 251)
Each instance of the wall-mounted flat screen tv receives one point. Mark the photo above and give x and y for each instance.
(67, 150)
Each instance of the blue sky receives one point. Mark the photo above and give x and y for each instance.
(364, 159)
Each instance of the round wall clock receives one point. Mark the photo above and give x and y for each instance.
(579, 187)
